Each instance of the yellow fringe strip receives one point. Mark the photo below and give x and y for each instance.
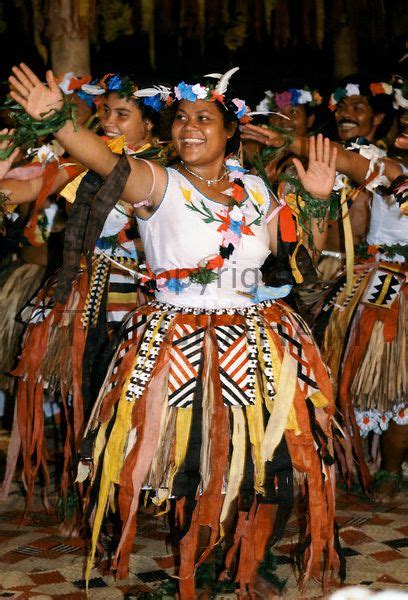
(348, 240)
(113, 459)
(237, 464)
(286, 388)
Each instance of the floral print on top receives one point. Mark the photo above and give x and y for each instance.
(203, 253)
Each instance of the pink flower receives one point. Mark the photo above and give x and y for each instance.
(230, 237)
(283, 99)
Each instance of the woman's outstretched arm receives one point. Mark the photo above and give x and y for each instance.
(40, 100)
(351, 164)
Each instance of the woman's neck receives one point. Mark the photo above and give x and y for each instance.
(213, 172)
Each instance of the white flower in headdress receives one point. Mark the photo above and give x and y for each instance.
(352, 89)
(305, 96)
(388, 89)
(383, 419)
(399, 100)
(200, 91)
(263, 106)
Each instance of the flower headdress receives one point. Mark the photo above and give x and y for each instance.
(212, 92)
(70, 83)
(290, 97)
(155, 97)
(353, 89)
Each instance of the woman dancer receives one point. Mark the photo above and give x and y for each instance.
(216, 398)
(69, 324)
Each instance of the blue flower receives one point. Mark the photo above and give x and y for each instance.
(154, 102)
(86, 97)
(295, 96)
(235, 227)
(114, 83)
(241, 107)
(176, 285)
(185, 92)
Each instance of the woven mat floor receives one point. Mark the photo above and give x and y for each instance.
(36, 561)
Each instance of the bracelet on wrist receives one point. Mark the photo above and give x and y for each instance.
(28, 130)
(312, 210)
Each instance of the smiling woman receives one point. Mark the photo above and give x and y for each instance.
(217, 395)
(123, 116)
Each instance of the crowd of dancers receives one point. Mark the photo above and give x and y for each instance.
(210, 302)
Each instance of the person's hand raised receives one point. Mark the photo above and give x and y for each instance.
(37, 99)
(262, 135)
(318, 178)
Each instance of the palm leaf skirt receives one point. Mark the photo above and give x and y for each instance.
(365, 334)
(217, 412)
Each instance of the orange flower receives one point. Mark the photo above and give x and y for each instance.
(215, 263)
(76, 83)
(377, 88)
(216, 96)
(372, 250)
(238, 192)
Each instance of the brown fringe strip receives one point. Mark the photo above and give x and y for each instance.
(209, 504)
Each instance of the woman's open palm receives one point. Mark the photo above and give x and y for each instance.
(37, 99)
(318, 178)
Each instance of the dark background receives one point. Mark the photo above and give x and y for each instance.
(285, 43)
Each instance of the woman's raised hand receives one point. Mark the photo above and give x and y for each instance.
(5, 165)
(318, 179)
(37, 99)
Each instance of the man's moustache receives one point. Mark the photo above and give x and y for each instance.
(348, 121)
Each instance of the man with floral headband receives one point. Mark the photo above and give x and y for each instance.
(363, 113)
(368, 324)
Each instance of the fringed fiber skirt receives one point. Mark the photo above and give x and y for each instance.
(61, 345)
(365, 346)
(21, 282)
(220, 411)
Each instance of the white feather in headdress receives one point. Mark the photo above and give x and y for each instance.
(153, 91)
(267, 112)
(93, 90)
(222, 85)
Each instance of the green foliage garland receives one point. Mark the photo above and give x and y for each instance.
(310, 208)
(29, 130)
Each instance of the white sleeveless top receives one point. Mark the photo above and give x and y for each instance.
(183, 231)
(388, 224)
(115, 222)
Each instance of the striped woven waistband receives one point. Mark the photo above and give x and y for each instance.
(189, 310)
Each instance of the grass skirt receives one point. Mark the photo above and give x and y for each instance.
(220, 410)
(58, 357)
(365, 346)
(22, 281)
